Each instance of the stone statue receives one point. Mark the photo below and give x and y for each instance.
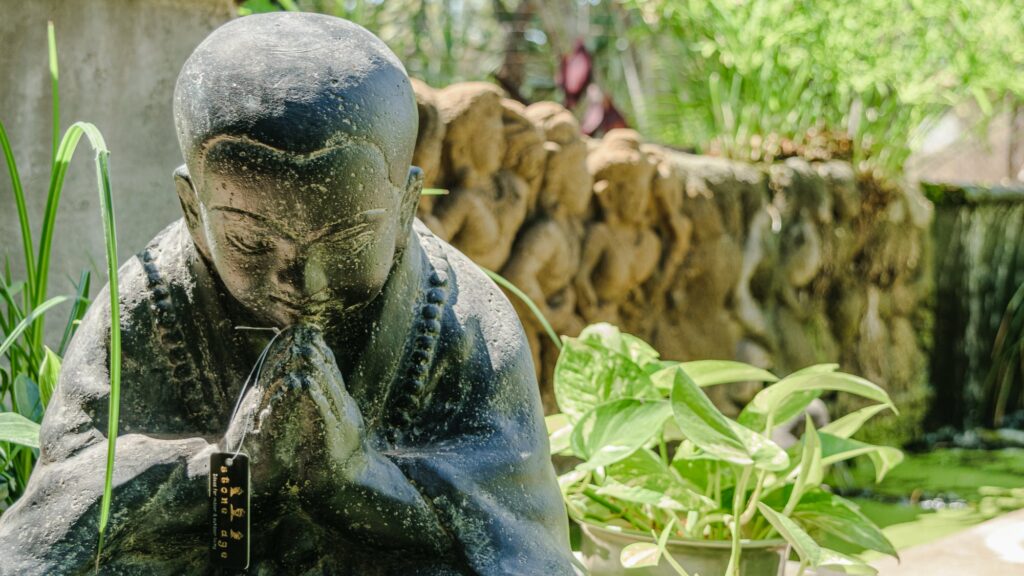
(395, 427)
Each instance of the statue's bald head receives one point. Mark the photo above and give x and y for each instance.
(298, 131)
(298, 83)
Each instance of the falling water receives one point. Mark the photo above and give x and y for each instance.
(978, 265)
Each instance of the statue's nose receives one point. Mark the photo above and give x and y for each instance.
(305, 275)
(313, 276)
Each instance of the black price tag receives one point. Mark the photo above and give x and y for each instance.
(229, 507)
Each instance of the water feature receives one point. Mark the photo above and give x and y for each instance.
(978, 265)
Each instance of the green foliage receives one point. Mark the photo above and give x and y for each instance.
(745, 78)
(32, 370)
(656, 456)
(439, 41)
(872, 71)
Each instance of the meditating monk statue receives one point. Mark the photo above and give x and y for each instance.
(393, 425)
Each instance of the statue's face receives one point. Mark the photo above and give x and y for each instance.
(299, 236)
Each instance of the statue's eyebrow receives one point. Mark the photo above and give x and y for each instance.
(232, 209)
(354, 225)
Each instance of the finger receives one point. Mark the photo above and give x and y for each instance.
(334, 384)
(327, 411)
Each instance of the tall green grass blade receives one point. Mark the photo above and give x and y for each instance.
(110, 240)
(504, 283)
(19, 203)
(77, 311)
(51, 41)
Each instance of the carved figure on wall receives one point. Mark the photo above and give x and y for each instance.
(704, 284)
(486, 203)
(546, 256)
(620, 251)
(395, 427)
(673, 226)
(525, 152)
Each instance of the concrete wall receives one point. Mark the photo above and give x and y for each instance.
(118, 63)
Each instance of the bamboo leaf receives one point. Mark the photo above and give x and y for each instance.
(32, 316)
(19, 204)
(17, 429)
(49, 374)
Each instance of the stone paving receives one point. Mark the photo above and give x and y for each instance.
(993, 548)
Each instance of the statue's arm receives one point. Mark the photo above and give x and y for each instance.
(159, 483)
(489, 477)
(159, 489)
(531, 255)
(475, 485)
(594, 246)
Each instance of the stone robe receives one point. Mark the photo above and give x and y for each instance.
(454, 406)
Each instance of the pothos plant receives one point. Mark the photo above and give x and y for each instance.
(656, 456)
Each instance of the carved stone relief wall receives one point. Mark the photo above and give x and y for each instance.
(780, 266)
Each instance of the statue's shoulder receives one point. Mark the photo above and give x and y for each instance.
(166, 335)
(481, 314)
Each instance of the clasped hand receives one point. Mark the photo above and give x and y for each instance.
(303, 427)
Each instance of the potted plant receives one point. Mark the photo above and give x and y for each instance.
(664, 483)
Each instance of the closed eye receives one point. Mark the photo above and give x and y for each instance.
(249, 245)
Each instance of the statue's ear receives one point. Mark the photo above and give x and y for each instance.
(189, 198)
(410, 198)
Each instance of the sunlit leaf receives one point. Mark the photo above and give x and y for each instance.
(712, 372)
(791, 395)
(849, 424)
(613, 431)
(806, 548)
(703, 425)
(640, 555)
(837, 561)
(835, 449)
(809, 472)
(593, 369)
